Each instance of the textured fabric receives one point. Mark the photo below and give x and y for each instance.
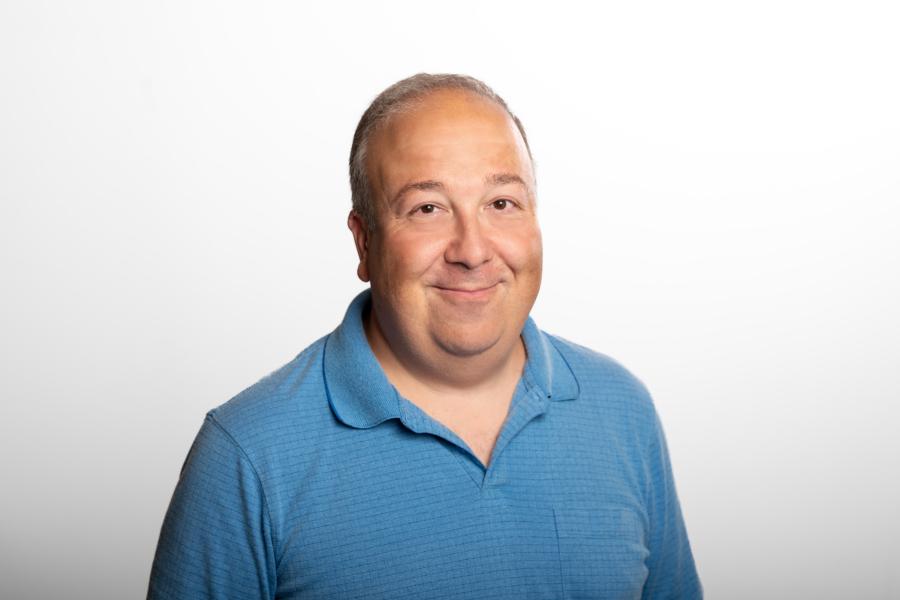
(320, 481)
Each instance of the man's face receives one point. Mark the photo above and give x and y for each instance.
(455, 258)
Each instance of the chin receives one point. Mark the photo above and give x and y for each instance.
(459, 342)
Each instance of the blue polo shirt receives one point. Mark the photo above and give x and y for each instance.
(321, 481)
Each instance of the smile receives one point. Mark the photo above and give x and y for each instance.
(466, 293)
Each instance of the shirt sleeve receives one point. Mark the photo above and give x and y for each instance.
(672, 573)
(215, 541)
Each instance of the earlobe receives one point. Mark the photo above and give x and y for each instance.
(361, 241)
(362, 271)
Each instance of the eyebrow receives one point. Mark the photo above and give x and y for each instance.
(498, 179)
(432, 184)
(428, 184)
(504, 178)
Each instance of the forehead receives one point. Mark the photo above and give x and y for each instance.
(450, 131)
(443, 109)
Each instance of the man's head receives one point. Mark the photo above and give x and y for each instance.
(394, 100)
(444, 218)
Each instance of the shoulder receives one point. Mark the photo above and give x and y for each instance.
(603, 382)
(277, 408)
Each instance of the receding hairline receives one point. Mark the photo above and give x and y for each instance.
(417, 101)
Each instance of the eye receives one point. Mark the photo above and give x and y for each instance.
(426, 209)
(501, 204)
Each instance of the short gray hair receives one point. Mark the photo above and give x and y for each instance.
(393, 100)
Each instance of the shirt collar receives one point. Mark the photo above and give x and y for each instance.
(361, 396)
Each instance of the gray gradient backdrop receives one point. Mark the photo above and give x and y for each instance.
(719, 196)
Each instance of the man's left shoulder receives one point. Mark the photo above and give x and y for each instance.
(602, 380)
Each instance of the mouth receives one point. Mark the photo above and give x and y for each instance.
(467, 293)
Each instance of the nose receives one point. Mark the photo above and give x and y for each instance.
(469, 246)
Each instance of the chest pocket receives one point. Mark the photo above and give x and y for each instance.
(602, 552)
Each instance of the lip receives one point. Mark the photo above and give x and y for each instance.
(467, 294)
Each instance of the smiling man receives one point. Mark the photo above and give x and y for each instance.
(437, 444)
(453, 251)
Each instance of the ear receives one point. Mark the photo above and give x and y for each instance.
(361, 238)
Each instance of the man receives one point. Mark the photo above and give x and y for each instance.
(437, 444)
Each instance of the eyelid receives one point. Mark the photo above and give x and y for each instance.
(511, 201)
(416, 209)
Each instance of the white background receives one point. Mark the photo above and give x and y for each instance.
(719, 188)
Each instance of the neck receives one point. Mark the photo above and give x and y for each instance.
(443, 374)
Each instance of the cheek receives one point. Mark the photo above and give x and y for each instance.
(523, 252)
(408, 257)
